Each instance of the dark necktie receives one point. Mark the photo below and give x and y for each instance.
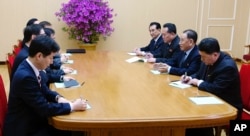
(206, 74)
(183, 59)
(39, 79)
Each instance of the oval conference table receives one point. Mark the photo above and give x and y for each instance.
(128, 99)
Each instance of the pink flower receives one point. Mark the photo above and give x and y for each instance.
(87, 20)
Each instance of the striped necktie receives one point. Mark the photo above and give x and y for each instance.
(39, 79)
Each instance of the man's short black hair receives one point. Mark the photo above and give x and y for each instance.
(43, 44)
(158, 25)
(171, 27)
(191, 34)
(209, 45)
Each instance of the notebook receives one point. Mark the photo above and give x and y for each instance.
(75, 51)
(70, 83)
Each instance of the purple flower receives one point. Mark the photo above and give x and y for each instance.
(87, 20)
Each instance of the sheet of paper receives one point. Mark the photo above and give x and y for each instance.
(156, 72)
(179, 84)
(132, 53)
(74, 72)
(134, 59)
(67, 54)
(88, 106)
(61, 85)
(200, 100)
(69, 62)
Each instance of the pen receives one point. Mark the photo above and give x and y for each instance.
(174, 80)
(82, 83)
(185, 75)
(201, 96)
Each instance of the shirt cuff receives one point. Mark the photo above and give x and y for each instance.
(169, 67)
(71, 107)
(199, 82)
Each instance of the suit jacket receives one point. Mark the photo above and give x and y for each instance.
(23, 54)
(190, 65)
(57, 63)
(222, 79)
(53, 75)
(30, 104)
(153, 47)
(168, 51)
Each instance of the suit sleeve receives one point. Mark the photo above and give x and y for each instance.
(220, 81)
(190, 67)
(41, 99)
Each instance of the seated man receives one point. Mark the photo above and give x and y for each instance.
(219, 75)
(171, 47)
(155, 43)
(189, 60)
(31, 102)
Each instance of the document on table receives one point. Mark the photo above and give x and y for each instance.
(136, 59)
(156, 72)
(88, 106)
(179, 84)
(201, 100)
(67, 54)
(69, 62)
(74, 72)
(132, 53)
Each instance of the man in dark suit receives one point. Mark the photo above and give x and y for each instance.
(30, 101)
(155, 43)
(30, 32)
(189, 59)
(171, 47)
(218, 74)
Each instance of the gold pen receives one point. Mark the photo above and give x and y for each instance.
(82, 83)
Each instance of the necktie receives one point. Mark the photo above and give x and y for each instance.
(183, 59)
(206, 74)
(39, 80)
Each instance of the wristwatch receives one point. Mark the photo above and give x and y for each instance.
(61, 79)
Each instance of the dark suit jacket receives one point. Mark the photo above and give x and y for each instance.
(153, 47)
(23, 54)
(168, 51)
(222, 80)
(53, 75)
(190, 65)
(56, 62)
(30, 104)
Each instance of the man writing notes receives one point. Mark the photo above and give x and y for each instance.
(155, 43)
(170, 48)
(31, 102)
(219, 75)
(189, 59)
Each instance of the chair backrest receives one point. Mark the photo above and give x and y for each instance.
(10, 61)
(16, 49)
(3, 104)
(245, 85)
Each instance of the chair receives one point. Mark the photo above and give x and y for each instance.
(3, 105)
(9, 61)
(19, 43)
(245, 90)
(16, 49)
(245, 95)
(247, 56)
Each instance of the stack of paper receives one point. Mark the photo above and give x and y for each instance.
(136, 59)
(200, 100)
(179, 84)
